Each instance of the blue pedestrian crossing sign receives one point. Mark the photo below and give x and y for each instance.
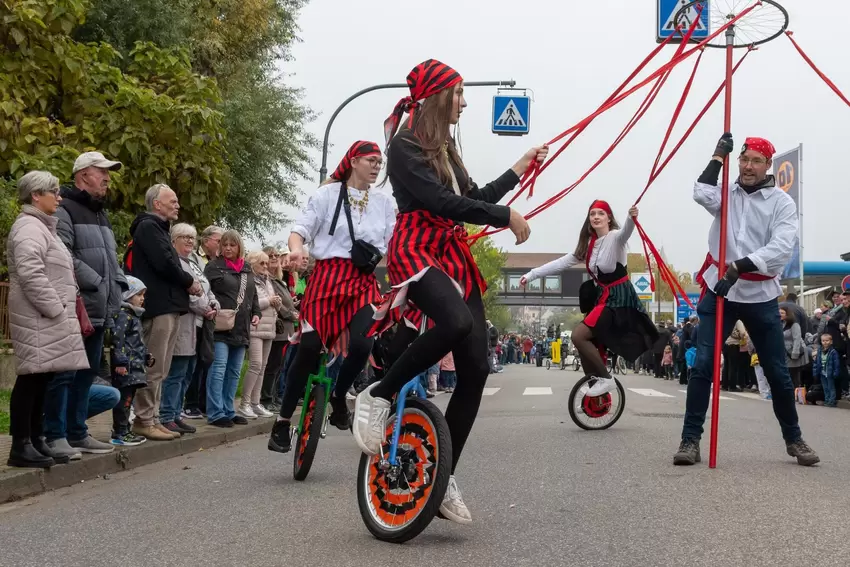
(511, 115)
(666, 20)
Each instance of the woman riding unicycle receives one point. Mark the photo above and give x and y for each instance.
(615, 318)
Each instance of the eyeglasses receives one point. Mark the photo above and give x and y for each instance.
(54, 191)
(186, 237)
(376, 163)
(751, 161)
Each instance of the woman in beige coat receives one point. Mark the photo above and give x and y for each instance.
(262, 335)
(42, 311)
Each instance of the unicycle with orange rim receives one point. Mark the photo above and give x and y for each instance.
(399, 490)
(596, 412)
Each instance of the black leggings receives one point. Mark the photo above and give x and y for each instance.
(460, 328)
(310, 354)
(26, 406)
(591, 360)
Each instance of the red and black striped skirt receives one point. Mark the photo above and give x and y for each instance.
(421, 241)
(335, 291)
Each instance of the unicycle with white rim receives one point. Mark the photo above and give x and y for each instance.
(596, 412)
(400, 490)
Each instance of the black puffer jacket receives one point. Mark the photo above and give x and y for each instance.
(128, 348)
(224, 283)
(85, 230)
(156, 263)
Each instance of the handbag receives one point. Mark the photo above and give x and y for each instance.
(225, 319)
(364, 256)
(588, 294)
(86, 328)
(206, 344)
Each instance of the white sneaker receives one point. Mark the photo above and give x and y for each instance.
(261, 411)
(453, 507)
(602, 386)
(370, 421)
(246, 411)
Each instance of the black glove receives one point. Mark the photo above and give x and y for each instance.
(724, 146)
(725, 284)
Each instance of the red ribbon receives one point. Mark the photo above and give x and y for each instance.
(816, 70)
(657, 75)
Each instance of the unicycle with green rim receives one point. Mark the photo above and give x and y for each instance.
(400, 490)
(313, 422)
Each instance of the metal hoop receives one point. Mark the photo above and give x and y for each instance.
(756, 28)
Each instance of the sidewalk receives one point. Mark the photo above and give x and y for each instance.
(18, 483)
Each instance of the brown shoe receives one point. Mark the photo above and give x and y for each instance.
(164, 429)
(151, 432)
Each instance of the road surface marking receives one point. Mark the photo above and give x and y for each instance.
(490, 391)
(650, 393)
(547, 391)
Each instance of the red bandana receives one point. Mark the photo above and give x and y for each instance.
(426, 79)
(759, 145)
(599, 204)
(357, 149)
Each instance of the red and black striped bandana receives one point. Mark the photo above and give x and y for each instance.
(357, 149)
(426, 79)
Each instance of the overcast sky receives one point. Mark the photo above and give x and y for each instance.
(572, 55)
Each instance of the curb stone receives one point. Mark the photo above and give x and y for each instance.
(16, 484)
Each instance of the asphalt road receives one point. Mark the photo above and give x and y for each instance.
(541, 492)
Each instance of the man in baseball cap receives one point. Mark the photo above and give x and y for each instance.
(85, 229)
(95, 159)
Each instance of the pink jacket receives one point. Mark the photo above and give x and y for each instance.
(42, 297)
(448, 363)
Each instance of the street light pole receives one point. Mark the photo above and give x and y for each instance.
(324, 169)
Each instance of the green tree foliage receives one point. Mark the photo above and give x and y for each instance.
(242, 44)
(501, 318)
(59, 97)
(567, 319)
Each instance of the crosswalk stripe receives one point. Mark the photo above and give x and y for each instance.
(649, 392)
(532, 391)
(721, 397)
(490, 391)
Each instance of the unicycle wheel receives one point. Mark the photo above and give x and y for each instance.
(597, 412)
(307, 440)
(398, 501)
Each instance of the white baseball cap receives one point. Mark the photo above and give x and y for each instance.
(95, 159)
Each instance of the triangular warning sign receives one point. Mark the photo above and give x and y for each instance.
(510, 116)
(687, 19)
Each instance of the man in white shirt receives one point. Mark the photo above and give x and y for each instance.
(760, 237)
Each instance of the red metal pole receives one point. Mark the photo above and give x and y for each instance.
(719, 339)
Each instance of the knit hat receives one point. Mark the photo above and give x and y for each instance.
(137, 286)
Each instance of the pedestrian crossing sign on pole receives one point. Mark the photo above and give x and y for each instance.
(511, 115)
(666, 19)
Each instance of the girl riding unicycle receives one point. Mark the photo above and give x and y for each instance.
(615, 318)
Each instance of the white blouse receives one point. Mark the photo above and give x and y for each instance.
(374, 226)
(607, 252)
(762, 227)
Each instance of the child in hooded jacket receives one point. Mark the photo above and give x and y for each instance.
(130, 358)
